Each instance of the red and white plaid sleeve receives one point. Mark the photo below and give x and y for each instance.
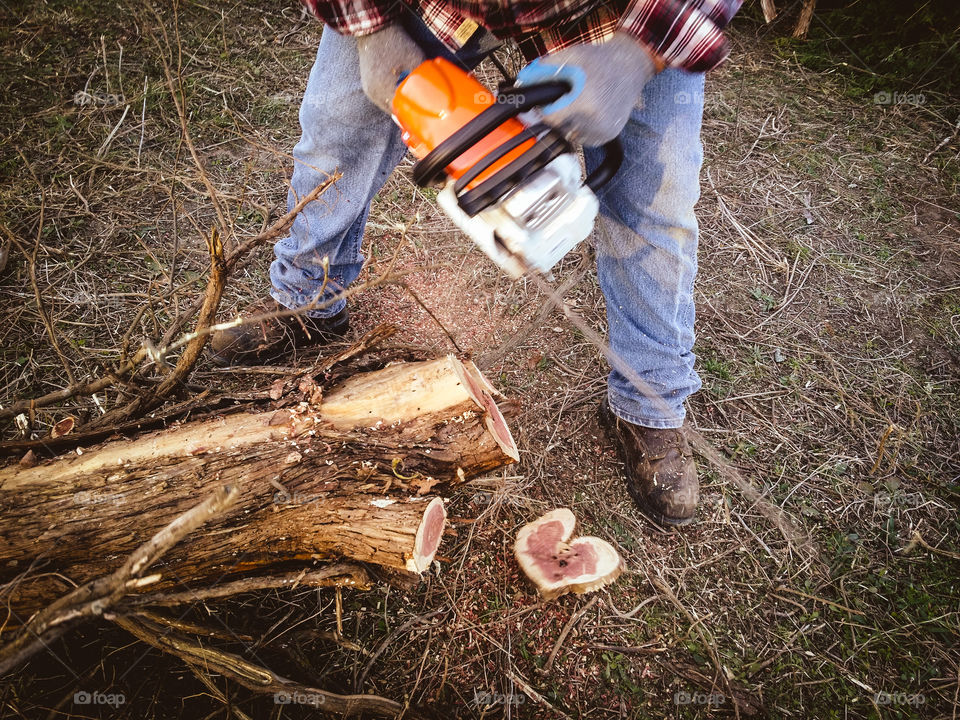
(688, 34)
(356, 17)
(685, 33)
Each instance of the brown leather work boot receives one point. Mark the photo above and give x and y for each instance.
(661, 473)
(259, 342)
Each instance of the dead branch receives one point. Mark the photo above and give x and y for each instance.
(769, 10)
(178, 101)
(96, 596)
(917, 539)
(85, 389)
(806, 16)
(334, 575)
(237, 255)
(32, 271)
(216, 282)
(251, 676)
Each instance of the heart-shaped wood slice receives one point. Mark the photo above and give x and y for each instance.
(558, 565)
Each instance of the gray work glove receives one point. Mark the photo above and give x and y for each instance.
(607, 80)
(386, 57)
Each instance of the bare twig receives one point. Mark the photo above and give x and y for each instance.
(91, 387)
(946, 141)
(533, 694)
(236, 256)
(32, 270)
(194, 346)
(176, 94)
(337, 574)
(386, 642)
(917, 539)
(250, 676)
(574, 619)
(96, 596)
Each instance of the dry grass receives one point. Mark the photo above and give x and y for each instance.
(828, 341)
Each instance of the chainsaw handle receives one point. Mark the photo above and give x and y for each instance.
(509, 104)
(604, 172)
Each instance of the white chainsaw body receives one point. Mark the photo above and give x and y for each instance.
(535, 224)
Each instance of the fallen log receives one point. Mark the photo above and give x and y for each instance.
(341, 475)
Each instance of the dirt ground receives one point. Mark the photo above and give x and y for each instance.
(828, 341)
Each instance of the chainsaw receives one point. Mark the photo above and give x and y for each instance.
(510, 182)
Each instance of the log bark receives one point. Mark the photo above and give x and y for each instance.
(341, 475)
(769, 10)
(806, 17)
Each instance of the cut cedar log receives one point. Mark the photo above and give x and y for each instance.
(556, 564)
(340, 477)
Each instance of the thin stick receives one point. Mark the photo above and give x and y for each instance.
(883, 442)
(96, 596)
(32, 270)
(433, 317)
(253, 677)
(533, 694)
(338, 575)
(94, 386)
(837, 606)
(238, 254)
(194, 343)
(386, 642)
(216, 691)
(143, 121)
(182, 116)
(917, 539)
(574, 619)
(83, 389)
(705, 636)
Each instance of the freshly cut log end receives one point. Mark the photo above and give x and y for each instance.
(556, 564)
(483, 394)
(428, 537)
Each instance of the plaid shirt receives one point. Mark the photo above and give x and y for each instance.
(683, 33)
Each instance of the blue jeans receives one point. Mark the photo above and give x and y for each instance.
(646, 236)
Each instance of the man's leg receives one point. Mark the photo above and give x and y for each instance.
(342, 130)
(646, 264)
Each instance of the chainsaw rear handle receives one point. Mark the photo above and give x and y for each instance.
(510, 103)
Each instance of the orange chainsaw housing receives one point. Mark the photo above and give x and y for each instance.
(438, 98)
